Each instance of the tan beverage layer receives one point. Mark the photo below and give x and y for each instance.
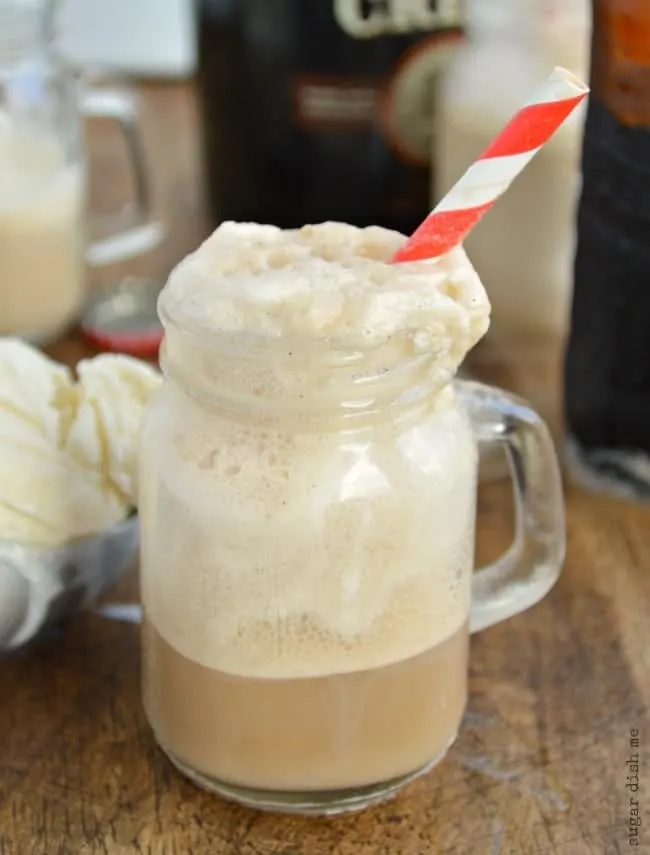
(323, 733)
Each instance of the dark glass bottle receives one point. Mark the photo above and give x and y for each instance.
(607, 387)
(321, 109)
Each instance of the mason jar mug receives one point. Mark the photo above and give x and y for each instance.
(308, 585)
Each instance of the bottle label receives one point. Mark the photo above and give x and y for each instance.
(621, 59)
(329, 103)
(369, 19)
(400, 103)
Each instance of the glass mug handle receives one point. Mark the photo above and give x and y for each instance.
(146, 233)
(531, 566)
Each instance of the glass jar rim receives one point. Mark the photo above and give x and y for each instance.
(326, 387)
(340, 353)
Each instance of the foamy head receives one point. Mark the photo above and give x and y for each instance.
(330, 282)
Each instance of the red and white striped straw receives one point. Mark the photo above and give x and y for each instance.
(485, 181)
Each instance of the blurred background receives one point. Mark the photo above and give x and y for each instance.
(359, 110)
(286, 112)
(130, 130)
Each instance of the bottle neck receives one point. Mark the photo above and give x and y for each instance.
(497, 18)
(559, 28)
(26, 30)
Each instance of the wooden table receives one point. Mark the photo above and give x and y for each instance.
(557, 695)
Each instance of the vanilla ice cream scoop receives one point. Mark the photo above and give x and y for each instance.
(111, 395)
(67, 447)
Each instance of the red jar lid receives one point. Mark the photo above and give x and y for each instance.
(123, 317)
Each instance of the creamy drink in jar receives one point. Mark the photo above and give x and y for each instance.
(43, 249)
(307, 496)
(41, 234)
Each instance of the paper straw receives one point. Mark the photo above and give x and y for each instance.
(486, 180)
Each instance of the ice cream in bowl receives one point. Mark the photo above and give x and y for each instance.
(68, 493)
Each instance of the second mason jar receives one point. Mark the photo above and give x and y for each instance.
(43, 222)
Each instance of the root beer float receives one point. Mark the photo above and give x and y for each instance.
(308, 502)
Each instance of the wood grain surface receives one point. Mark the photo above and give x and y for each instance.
(555, 694)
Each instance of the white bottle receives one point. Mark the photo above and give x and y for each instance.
(524, 247)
